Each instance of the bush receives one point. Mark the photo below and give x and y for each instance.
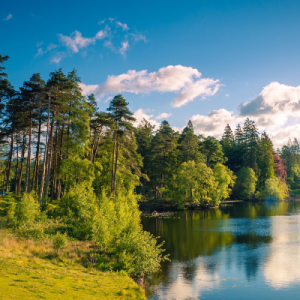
(117, 230)
(59, 241)
(275, 189)
(31, 231)
(78, 207)
(26, 211)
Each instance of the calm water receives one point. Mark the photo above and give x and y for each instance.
(244, 251)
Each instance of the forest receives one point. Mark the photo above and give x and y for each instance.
(68, 170)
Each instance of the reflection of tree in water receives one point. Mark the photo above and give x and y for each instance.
(192, 235)
(189, 271)
(252, 262)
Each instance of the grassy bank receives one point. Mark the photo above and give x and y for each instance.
(36, 270)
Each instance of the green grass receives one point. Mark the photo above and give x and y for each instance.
(33, 270)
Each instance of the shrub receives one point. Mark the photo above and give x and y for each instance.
(59, 241)
(117, 230)
(28, 209)
(31, 231)
(275, 189)
(79, 207)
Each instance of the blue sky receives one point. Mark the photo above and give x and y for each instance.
(241, 48)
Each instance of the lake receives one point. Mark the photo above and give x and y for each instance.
(241, 251)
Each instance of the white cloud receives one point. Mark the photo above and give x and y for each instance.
(273, 105)
(56, 59)
(123, 25)
(125, 46)
(8, 17)
(163, 116)
(184, 80)
(49, 48)
(227, 95)
(39, 44)
(87, 89)
(141, 114)
(76, 41)
(214, 123)
(138, 37)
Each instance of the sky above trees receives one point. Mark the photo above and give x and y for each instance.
(213, 62)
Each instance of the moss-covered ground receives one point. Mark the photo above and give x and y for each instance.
(34, 270)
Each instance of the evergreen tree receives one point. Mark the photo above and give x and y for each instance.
(164, 158)
(123, 119)
(213, 152)
(228, 146)
(188, 145)
(250, 140)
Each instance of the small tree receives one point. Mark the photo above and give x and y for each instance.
(246, 183)
(275, 189)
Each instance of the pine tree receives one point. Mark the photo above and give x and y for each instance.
(250, 140)
(164, 157)
(188, 145)
(123, 119)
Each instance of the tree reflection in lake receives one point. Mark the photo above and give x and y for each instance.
(252, 247)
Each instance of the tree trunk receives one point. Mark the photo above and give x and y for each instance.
(9, 162)
(45, 156)
(22, 163)
(28, 157)
(116, 165)
(35, 180)
(54, 179)
(17, 166)
(112, 171)
(97, 145)
(49, 156)
(60, 159)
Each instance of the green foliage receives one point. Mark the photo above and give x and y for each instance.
(213, 152)
(76, 170)
(246, 183)
(225, 179)
(25, 211)
(31, 231)
(195, 183)
(59, 241)
(117, 230)
(78, 207)
(265, 159)
(274, 189)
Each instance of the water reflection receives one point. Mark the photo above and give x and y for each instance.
(219, 253)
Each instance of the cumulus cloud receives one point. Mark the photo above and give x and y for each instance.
(270, 110)
(214, 123)
(87, 89)
(8, 17)
(186, 81)
(163, 116)
(273, 105)
(141, 114)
